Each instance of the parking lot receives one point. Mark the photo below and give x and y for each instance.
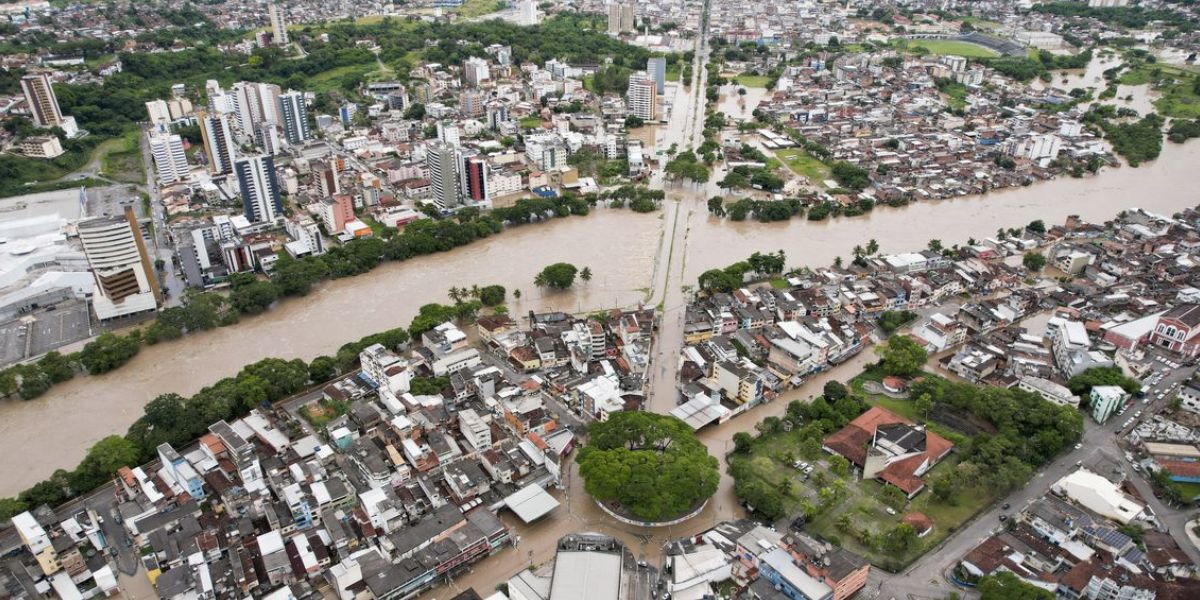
(44, 330)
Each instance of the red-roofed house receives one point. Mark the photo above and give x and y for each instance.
(889, 448)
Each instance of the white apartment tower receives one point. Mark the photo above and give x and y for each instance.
(294, 117)
(442, 160)
(476, 71)
(169, 158)
(116, 252)
(259, 187)
(643, 95)
(527, 13)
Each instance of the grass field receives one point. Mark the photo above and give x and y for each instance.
(954, 47)
(1187, 490)
(754, 81)
(477, 8)
(121, 159)
(804, 164)
(530, 122)
(1177, 88)
(326, 81)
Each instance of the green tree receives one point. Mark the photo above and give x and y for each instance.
(1034, 261)
(586, 274)
(1082, 384)
(108, 455)
(838, 465)
(651, 465)
(109, 351)
(56, 367)
(834, 390)
(559, 276)
(492, 295)
(253, 298)
(901, 356)
(742, 442)
(322, 368)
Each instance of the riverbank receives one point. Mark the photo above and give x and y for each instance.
(55, 430)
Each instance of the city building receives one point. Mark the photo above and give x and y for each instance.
(527, 13)
(116, 252)
(42, 146)
(336, 211)
(258, 185)
(219, 145)
(475, 71)
(475, 178)
(643, 96)
(170, 160)
(656, 67)
(42, 102)
(279, 34)
(294, 117)
(1105, 400)
(442, 161)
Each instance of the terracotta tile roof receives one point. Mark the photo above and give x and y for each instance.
(919, 521)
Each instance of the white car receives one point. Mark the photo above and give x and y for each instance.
(890, 510)
(1078, 446)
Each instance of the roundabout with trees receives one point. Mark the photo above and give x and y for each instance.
(647, 468)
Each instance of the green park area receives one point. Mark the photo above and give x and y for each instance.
(752, 81)
(1001, 436)
(955, 47)
(803, 163)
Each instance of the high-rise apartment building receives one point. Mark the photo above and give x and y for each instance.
(124, 274)
(657, 68)
(279, 34)
(43, 104)
(643, 96)
(620, 18)
(336, 211)
(170, 160)
(442, 160)
(294, 117)
(527, 13)
(259, 187)
(475, 178)
(476, 71)
(218, 141)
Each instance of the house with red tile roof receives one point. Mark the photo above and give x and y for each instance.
(889, 448)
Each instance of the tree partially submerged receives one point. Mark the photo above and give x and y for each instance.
(651, 465)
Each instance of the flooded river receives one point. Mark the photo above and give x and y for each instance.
(620, 246)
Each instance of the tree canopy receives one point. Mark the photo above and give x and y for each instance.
(649, 464)
(559, 276)
(902, 356)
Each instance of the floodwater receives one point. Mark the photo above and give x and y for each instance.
(1138, 97)
(620, 246)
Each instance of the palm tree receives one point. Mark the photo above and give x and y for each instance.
(475, 291)
(859, 252)
(540, 280)
(872, 246)
(455, 295)
(837, 262)
(586, 274)
(935, 245)
(517, 293)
